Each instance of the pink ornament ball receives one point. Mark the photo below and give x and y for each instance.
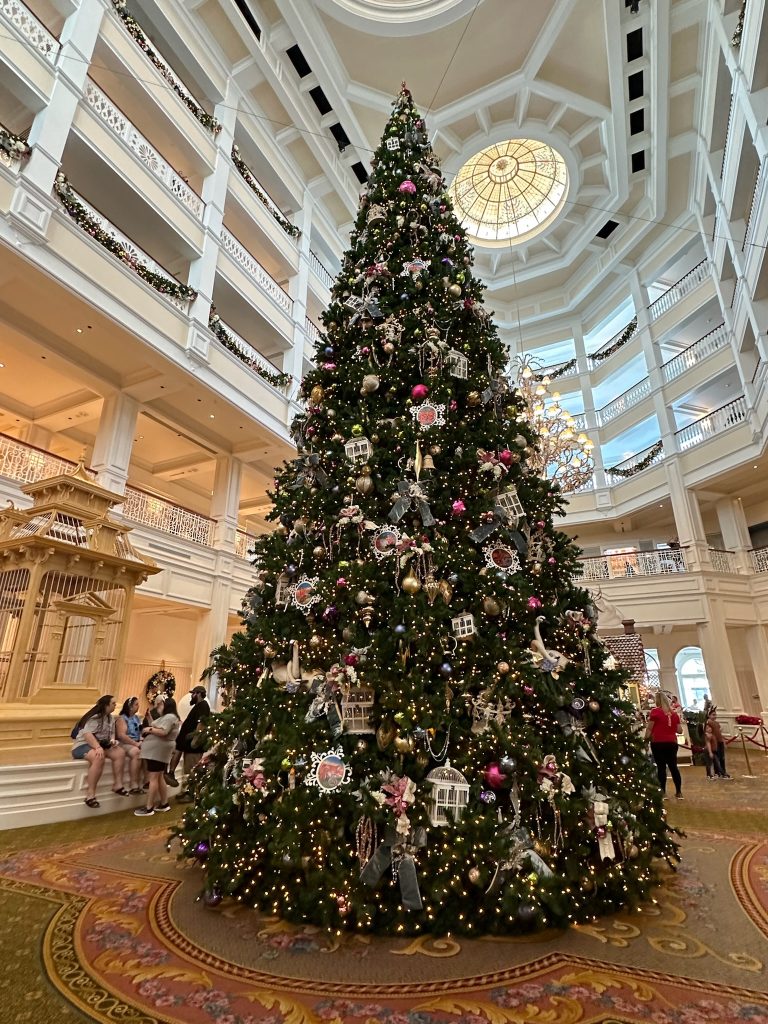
(419, 392)
(458, 508)
(407, 186)
(350, 659)
(534, 604)
(541, 524)
(552, 561)
(505, 457)
(494, 776)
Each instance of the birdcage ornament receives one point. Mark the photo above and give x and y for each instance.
(358, 449)
(463, 625)
(393, 144)
(508, 504)
(283, 589)
(376, 215)
(449, 795)
(457, 363)
(356, 706)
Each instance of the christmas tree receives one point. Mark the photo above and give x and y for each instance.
(422, 730)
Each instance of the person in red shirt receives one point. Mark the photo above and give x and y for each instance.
(663, 728)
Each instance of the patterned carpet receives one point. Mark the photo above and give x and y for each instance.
(98, 922)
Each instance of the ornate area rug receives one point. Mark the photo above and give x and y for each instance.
(110, 930)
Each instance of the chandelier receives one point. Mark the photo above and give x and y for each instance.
(563, 454)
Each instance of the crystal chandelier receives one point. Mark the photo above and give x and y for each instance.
(563, 454)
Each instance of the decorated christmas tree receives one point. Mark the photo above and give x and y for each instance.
(422, 730)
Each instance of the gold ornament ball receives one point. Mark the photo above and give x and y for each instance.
(319, 551)
(370, 384)
(473, 398)
(314, 640)
(403, 744)
(455, 290)
(364, 484)
(316, 395)
(491, 606)
(502, 668)
(594, 705)
(473, 875)
(269, 651)
(634, 852)
(411, 584)
(388, 347)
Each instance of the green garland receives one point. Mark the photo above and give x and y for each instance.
(79, 214)
(559, 372)
(626, 334)
(14, 145)
(206, 120)
(278, 379)
(644, 463)
(245, 171)
(736, 40)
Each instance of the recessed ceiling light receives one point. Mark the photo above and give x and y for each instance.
(79, 330)
(211, 416)
(2, 366)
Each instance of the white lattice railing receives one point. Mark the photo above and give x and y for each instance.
(27, 464)
(633, 563)
(136, 254)
(19, 16)
(244, 544)
(729, 415)
(149, 510)
(580, 421)
(756, 193)
(625, 401)
(759, 559)
(632, 462)
(255, 271)
(679, 290)
(122, 128)
(319, 270)
(722, 561)
(695, 353)
(252, 355)
(311, 330)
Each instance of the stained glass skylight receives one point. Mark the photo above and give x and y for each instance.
(510, 191)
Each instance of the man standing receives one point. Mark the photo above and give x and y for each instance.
(189, 742)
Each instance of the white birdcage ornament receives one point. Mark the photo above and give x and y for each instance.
(356, 706)
(393, 144)
(449, 795)
(283, 589)
(508, 503)
(457, 363)
(358, 449)
(377, 214)
(463, 625)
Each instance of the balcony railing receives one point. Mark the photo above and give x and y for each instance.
(261, 193)
(150, 510)
(759, 559)
(19, 16)
(625, 401)
(679, 290)
(756, 193)
(695, 353)
(260, 277)
(635, 464)
(244, 544)
(730, 415)
(319, 270)
(618, 341)
(633, 563)
(122, 128)
(28, 464)
(580, 422)
(722, 561)
(559, 371)
(251, 356)
(312, 331)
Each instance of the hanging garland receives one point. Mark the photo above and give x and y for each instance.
(79, 214)
(638, 467)
(629, 330)
(277, 379)
(16, 147)
(736, 40)
(245, 171)
(206, 120)
(162, 681)
(559, 372)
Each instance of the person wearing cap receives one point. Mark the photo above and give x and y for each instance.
(187, 742)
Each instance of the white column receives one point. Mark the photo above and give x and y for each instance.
(735, 532)
(718, 660)
(297, 289)
(757, 648)
(114, 441)
(212, 628)
(225, 503)
(688, 522)
(664, 415)
(590, 413)
(32, 204)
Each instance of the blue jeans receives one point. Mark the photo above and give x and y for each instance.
(79, 753)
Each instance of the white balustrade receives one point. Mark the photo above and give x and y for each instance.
(121, 127)
(759, 559)
(559, 372)
(627, 564)
(251, 355)
(632, 462)
(598, 357)
(311, 330)
(695, 353)
(580, 421)
(730, 415)
(18, 15)
(244, 544)
(756, 193)
(27, 464)
(164, 515)
(136, 255)
(255, 271)
(722, 561)
(319, 270)
(625, 401)
(679, 290)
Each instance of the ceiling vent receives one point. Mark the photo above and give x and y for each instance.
(607, 229)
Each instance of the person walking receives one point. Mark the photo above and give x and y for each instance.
(94, 742)
(156, 749)
(663, 729)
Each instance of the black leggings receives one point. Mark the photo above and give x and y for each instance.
(665, 756)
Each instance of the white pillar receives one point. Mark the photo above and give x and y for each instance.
(757, 648)
(718, 660)
(114, 441)
(590, 413)
(297, 289)
(688, 522)
(735, 532)
(225, 503)
(212, 628)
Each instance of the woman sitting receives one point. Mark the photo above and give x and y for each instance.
(156, 750)
(94, 742)
(128, 733)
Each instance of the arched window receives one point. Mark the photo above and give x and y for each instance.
(691, 677)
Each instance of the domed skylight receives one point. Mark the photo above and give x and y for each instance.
(510, 191)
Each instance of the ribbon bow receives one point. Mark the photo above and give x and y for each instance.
(520, 854)
(310, 471)
(398, 852)
(573, 726)
(495, 391)
(411, 496)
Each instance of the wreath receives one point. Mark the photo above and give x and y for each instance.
(161, 682)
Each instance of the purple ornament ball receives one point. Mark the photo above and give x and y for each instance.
(213, 897)
(202, 849)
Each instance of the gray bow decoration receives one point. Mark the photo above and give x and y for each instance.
(573, 726)
(326, 703)
(520, 854)
(411, 496)
(359, 305)
(495, 391)
(398, 852)
(310, 471)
